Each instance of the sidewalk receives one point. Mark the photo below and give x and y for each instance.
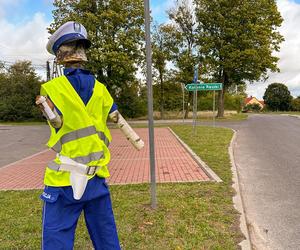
(127, 166)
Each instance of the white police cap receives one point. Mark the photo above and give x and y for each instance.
(68, 32)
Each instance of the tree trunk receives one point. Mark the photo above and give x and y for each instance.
(221, 95)
(162, 116)
(187, 107)
(221, 98)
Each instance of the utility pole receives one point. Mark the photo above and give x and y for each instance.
(54, 73)
(48, 70)
(150, 103)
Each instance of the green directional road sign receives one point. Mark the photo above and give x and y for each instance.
(203, 86)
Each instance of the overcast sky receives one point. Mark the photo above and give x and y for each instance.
(24, 36)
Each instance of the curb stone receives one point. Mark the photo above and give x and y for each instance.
(237, 199)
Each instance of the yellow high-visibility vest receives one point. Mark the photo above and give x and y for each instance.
(84, 136)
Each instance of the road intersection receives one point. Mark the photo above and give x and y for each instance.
(267, 158)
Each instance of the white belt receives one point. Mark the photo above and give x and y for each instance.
(79, 168)
(78, 174)
(68, 164)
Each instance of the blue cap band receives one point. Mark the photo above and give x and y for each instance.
(67, 38)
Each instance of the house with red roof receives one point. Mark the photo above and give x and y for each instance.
(254, 100)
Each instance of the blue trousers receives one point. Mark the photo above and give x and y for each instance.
(61, 212)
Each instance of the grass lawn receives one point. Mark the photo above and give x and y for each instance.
(232, 117)
(202, 116)
(189, 215)
(227, 117)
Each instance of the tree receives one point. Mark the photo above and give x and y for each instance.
(161, 47)
(277, 97)
(236, 40)
(132, 100)
(115, 29)
(19, 86)
(296, 104)
(172, 95)
(184, 53)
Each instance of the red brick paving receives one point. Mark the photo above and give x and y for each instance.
(173, 163)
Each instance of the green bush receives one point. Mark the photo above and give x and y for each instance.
(253, 107)
(19, 85)
(296, 104)
(132, 101)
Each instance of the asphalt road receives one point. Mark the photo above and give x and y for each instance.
(267, 156)
(17, 142)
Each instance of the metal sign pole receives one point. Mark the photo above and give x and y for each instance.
(183, 106)
(194, 111)
(195, 79)
(196, 107)
(150, 103)
(214, 103)
(182, 87)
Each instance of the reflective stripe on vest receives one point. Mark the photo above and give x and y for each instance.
(103, 138)
(96, 156)
(80, 133)
(53, 165)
